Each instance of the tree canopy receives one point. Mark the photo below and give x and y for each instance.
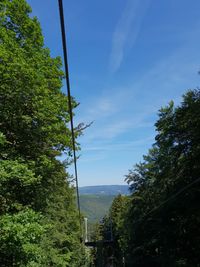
(39, 223)
(159, 224)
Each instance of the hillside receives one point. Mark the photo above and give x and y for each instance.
(104, 190)
(94, 207)
(95, 201)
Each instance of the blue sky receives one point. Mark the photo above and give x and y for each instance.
(127, 58)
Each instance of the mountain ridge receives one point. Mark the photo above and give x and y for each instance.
(104, 190)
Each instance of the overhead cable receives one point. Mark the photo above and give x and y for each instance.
(64, 43)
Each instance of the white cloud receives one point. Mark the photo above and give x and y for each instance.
(119, 146)
(110, 129)
(115, 127)
(126, 30)
(123, 110)
(101, 107)
(93, 157)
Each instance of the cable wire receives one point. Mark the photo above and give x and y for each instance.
(173, 196)
(167, 200)
(64, 43)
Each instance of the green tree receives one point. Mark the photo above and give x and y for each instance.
(33, 133)
(162, 217)
(113, 229)
(20, 242)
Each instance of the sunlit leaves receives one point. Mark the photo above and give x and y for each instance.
(33, 133)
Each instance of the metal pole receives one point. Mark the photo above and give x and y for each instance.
(86, 230)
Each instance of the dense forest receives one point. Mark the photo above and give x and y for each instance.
(39, 223)
(158, 225)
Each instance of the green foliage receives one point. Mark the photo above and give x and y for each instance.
(159, 225)
(114, 228)
(33, 133)
(18, 186)
(33, 108)
(20, 242)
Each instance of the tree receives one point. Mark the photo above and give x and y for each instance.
(162, 219)
(20, 243)
(33, 133)
(114, 229)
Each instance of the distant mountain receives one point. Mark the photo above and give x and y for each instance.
(95, 201)
(111, 190)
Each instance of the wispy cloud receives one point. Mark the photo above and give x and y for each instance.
(109, 103)
(103, 107)
(93, 157)
(116, 127)
(100, 151)
(124, 110)
(127, 30)
(119, 146)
